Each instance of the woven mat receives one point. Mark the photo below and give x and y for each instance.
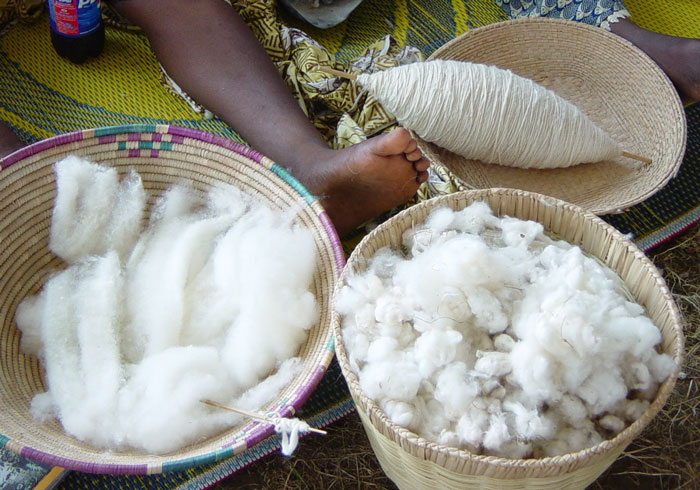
(43, 95)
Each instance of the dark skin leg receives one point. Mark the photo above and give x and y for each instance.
(212, 54)
(8, 140)
(678, 57)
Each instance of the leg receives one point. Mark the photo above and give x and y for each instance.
(8, 140)
(678, 57)
(210, 52)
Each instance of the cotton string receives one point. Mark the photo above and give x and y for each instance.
(489, 114)
(289, 430)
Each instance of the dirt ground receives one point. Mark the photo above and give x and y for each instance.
(664, 457)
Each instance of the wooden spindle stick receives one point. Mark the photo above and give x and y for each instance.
(253, 415)
(337, 73)
(636, 157)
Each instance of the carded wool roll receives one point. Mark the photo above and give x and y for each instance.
(489, 114)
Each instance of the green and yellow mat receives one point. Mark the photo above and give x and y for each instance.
(43, 95)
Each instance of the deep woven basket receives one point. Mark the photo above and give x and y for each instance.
(162, 155)
(417, 464)
(614, 83)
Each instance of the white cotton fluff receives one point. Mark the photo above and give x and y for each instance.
(493, 363)
(497, 434)
(456, 389)
(28, 319)
(529, 424)
(612, 423)
(472, 426)
(211, 301)
(485, 334)
(432, 418)
(503, 343)
(400, 413)
(93, 213)
(434, 349)
(398, 380)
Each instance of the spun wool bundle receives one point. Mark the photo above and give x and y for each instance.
(486, 113)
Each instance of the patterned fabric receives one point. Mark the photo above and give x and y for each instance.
(338, 108)
(594, 12)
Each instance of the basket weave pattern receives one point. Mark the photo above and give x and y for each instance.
(162, 155)
(415, 463)
(613, 82)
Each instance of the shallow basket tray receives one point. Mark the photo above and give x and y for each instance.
(162, 155)
(613, 82)
(417, 464)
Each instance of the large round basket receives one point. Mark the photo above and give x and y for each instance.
(614, 83)
(162, 155)
(417, 464)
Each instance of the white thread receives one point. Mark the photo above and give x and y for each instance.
(489, 114)
(289, 430)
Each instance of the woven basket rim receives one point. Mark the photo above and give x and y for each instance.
(406, 437)
(249, 433)
(610, 202)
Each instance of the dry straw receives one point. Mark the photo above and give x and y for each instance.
(415, 463)
(162, 155)
(614, 83)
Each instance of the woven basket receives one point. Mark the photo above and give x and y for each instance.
(615, 84)
(162, 155)
(415, 463)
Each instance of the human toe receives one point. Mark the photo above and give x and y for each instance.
(421, 165)
(414, 155)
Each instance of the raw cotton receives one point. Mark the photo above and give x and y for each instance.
(484, 333)
(489, 114)
(211, 300)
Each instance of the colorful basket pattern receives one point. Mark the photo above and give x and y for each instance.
(162, 154)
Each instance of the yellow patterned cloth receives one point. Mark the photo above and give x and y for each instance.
(338, 108)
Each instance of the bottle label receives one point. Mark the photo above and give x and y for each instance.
(74, 17)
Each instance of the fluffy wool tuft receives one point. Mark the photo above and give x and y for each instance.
(503, 341)
(211, 301)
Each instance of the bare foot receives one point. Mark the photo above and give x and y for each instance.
(8, 140)
(678, 57)
(361, 182)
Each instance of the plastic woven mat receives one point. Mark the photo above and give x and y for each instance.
(43, 95)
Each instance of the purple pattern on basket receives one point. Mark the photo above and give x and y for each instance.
(330, 230)
(104, 140)
(178, 140)
(115, 469)
(40, 146)
(216, 140)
